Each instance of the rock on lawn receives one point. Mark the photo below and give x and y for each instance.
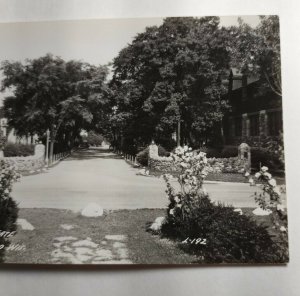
(92, 210)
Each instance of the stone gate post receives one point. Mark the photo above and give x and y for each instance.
(244, 154)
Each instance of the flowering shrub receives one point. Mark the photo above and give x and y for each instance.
(7, 177)
(271, 193)
(8, 207)
(2, 140)
(226, 235)
(276, 148)
(269, 199)
(194, 168)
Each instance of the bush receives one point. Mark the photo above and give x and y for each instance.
(13, 150)
(226, 152)
(142, 156)
(210, 152)
(261, 156)
(2, 140)
(8, 207)
(229, 237)
(229, 151)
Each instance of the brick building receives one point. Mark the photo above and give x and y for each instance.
(256, 112)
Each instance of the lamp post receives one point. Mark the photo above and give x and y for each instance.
(178, 133)
(52, 141)
(47, 146)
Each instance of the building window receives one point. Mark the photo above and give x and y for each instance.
(254, 125)
(274, 123)
(238, 126)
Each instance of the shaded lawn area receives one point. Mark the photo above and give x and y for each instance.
(144, 247)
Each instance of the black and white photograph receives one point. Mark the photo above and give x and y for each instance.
(142, 141)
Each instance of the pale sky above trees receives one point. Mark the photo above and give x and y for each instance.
(93, 41)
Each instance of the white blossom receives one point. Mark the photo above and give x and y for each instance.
(280, 208)
(268, 175)
(283, 229)
(272, 182)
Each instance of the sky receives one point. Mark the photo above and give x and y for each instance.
(93, 41)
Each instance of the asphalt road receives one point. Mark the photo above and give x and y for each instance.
(104, 178)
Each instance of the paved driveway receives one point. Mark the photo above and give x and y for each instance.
(104, 178)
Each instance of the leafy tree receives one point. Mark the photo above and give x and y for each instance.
(170, 78)
(49, 93)
(256, 51)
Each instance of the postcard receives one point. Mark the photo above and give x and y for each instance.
(142, 141)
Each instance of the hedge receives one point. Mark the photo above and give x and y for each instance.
(15, 150)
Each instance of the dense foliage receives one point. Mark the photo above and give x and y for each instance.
(265, 156)
(12, 150)
(171, 75)
(94, 139)
(226, 152)
(8, 207)
(50, 93)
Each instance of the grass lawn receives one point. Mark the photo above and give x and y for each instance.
(221, 177)
(142, 246)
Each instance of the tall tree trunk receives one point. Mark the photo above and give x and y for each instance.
(222, 132)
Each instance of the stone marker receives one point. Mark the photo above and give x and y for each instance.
(117, 237)
(66, 226)
(159, 221)
(261, 212)
(238, 211)
(92, 210)
(25, 225)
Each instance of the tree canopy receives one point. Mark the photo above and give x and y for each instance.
(169, 80)
(256, 51)
(50, 93)
(170, 74)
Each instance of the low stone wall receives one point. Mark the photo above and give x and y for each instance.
(160, 163)
(228, 165)
(239, 164)
(28, 163)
